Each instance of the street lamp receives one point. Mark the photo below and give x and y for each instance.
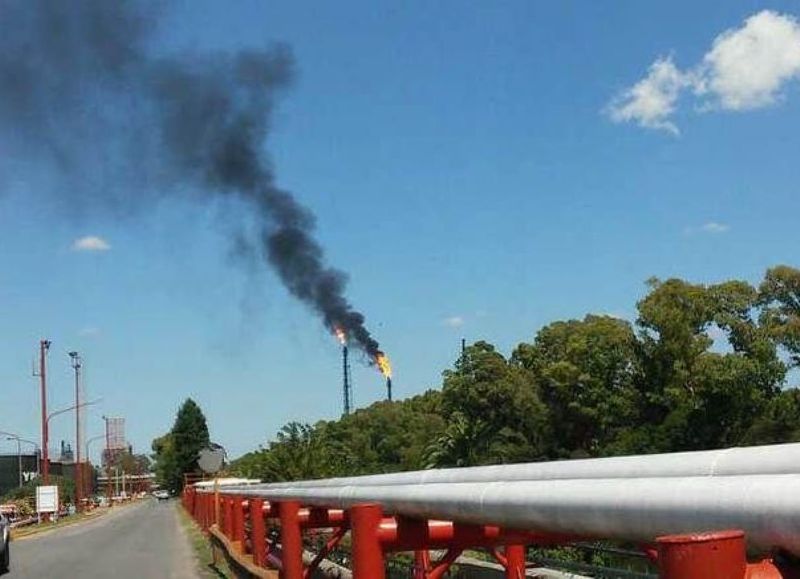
(90, 441)
(20, 440)
(76, 363)
(47, 428)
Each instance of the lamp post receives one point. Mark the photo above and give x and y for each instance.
(46, 472)
(44, 346)
(108, 461)
(76, 362)
(20, 440)
(88, 443)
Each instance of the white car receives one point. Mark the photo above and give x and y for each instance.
(161, 495)
(5, 540)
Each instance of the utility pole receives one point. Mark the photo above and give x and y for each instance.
(76, 361)
(44, 346)
(108, 462)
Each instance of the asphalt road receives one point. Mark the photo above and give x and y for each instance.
(134, 542)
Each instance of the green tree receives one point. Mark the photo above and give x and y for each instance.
(386, 436)
(779, 293)
(587, 371)
(298, 452)
(176, 453)
(697, 396)
(500, 401)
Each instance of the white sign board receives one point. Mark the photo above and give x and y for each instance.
(47, 499)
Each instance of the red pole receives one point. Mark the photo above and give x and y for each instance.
(515, 561)
(720, 555)
(44, 345)
(108, 462)
(223, 524)
(238, 522)
(365, 520)
(422, 564)
(291, 540)
(229, 523)
(258, 536)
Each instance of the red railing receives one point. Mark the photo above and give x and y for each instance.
(242, 521)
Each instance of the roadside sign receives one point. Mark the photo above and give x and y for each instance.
(47, 499)
(211, 459)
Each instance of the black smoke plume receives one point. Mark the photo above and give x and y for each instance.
(80, 90)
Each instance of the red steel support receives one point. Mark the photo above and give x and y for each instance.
(227, 516)
(258, 532)
(407, 534)
(720, 555)
(208, 510)
(291, 540)
(237, 532)
(422, 563)
(365, 521)
(515, 561)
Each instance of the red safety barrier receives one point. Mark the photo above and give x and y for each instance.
(238, 521)
(258, 535)
(365, 522)
(291, 540)
(243, 521)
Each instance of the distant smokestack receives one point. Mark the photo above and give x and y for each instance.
(389, 388)
(346, 381)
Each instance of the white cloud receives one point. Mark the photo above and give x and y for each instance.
(90, 243)
(715, 227)
(89, 332)
(453, 321)
(746, 68)
(651, 101)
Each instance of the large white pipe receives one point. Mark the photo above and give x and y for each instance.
(765, 507)
(772, 459)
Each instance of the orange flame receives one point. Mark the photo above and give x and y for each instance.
(340, 335)
(383, 364)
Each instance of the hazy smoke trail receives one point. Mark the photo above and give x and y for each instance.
(77, 83)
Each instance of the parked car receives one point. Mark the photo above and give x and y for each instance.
(161, 495)
(5, 534)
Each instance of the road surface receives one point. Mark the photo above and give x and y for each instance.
(133, 542)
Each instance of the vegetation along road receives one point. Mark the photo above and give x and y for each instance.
(143, 540)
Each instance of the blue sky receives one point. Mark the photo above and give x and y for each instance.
(468, 171)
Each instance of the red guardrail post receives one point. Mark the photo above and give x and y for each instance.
(258, 532)
(720, 555)
(291, 540)
(365, 520)
(238, 522)
(227, 516)
(515, 561)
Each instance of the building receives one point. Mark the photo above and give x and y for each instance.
(10, 470)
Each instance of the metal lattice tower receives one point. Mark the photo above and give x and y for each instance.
(347, 381)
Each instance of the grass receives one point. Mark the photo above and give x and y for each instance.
(202, 549)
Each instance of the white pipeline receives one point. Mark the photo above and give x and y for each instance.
(765, 507)
(772, 459)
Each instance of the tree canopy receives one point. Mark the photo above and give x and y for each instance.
(701, 366)
(175, 453)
